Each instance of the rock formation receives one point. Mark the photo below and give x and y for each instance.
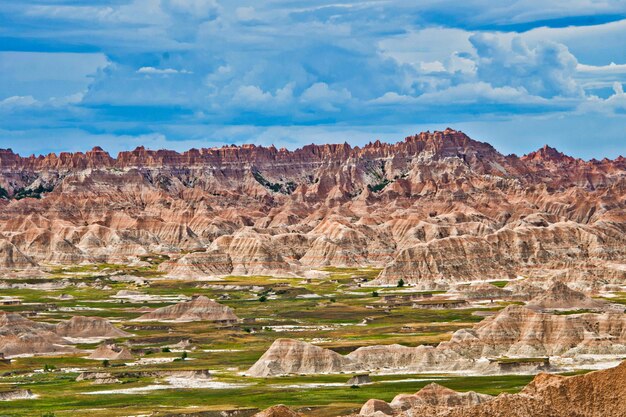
(88, 327)
(519, 332)
(375, 407)
(288, 356)
(199, 309)
(435, 395)
(491, 346)
(598, 393)
(435, 209)
(482, 291)
(360, 380)
(22, 337)
(98, 378)
(16, 394)
(277, 411)
(561, 297)
(111, 352)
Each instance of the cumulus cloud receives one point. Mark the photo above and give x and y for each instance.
(320, 95)
(546, 69)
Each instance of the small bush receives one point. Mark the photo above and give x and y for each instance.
(400, 283)
(374, 293)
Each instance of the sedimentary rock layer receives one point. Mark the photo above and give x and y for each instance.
(435, 208)
(199, 309)
(515, 332)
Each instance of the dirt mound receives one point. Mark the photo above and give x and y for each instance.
(277, 411)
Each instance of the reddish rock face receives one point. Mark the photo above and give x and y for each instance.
(433, 209)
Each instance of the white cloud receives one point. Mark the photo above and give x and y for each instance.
(393, 98)
(194, 9)
(426, 45)
(434, 66)
(18, 101)
(324, 97)
(480, 92)
(546, 69)
(251, 96)
(245, 14)
(612, 68)
(161, 71)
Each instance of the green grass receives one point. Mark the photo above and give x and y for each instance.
(341, 311)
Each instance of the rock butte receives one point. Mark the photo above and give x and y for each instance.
(435, 209)
(514, 332)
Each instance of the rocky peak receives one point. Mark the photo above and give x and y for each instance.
(547, 153)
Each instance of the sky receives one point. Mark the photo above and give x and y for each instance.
(182, 74)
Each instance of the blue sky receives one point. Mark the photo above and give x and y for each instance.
(197, 73)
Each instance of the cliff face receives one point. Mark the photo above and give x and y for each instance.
(434, 207)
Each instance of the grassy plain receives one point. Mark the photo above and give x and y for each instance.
(334, 312)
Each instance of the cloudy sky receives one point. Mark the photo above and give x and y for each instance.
(197, 73)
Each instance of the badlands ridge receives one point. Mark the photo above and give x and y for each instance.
(435, 209)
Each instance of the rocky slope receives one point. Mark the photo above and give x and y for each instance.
(561, 297)
(491, 346)
(435, 208)
(88, 327)
(20, 336)
(288, 356)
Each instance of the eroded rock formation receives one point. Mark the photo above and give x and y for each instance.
(491, 346)
(436, 208)
(20, 336)
(200, 309)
